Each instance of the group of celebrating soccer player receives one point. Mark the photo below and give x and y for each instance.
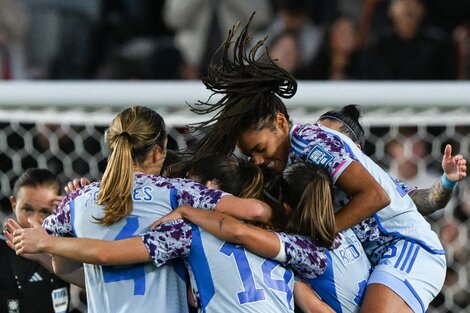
(261, 215)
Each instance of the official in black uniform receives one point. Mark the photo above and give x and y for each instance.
(25, 285)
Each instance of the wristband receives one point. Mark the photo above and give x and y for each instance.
(447, 184)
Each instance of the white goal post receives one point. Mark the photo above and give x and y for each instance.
(383, 102)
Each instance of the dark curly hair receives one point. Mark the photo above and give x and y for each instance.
(251, 88)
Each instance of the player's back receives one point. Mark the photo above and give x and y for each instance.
(134, 288)
(228, 278)
(343, 283)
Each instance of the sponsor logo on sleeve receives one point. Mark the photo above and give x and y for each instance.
(319, 156)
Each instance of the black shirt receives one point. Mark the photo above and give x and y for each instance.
(26, 286)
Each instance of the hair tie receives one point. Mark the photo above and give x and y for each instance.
(126, 135)
(342, 122)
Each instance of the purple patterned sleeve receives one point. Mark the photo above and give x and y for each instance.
(367, 230)
(196, 195)
(369, 234)
(307, 259)
(59, 223)
(168, 241)
(311, 143)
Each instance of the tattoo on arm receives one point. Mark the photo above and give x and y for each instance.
(432, 199)
(221, 223)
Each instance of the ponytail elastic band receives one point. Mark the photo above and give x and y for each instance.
(447, 184)
(125, 134)
(355, 139)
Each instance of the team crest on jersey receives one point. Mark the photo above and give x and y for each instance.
(319, 156)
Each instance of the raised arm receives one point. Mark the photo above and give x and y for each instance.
(438, 195)
(431, 199)
(367, 196)
(225, 227)
(307, 259)
(74, 276)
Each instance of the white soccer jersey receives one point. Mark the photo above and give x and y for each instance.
(139, 287)
(224, 276)
(339, 276)
(334, 151)
(407, 188)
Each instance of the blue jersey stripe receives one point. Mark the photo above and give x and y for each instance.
(72, 216)
(408, 254)
(297, 144)
(297, 151)
(413, 291)
(297, 147)
(413, 259)
(400, 236)
(324, 286)
(200, 267)
(173, 201)
(402, 253)
(300, 139)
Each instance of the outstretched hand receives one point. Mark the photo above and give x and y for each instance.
(75, 184)
(25, 240)
(8, 230)
(455, 167)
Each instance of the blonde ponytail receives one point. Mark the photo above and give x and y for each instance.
(307, 188)
(131, 136)
(116, 185)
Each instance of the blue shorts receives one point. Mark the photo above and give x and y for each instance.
(412, 272)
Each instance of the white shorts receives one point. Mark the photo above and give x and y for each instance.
(412, 272)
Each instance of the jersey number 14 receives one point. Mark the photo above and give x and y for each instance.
(250, 292)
